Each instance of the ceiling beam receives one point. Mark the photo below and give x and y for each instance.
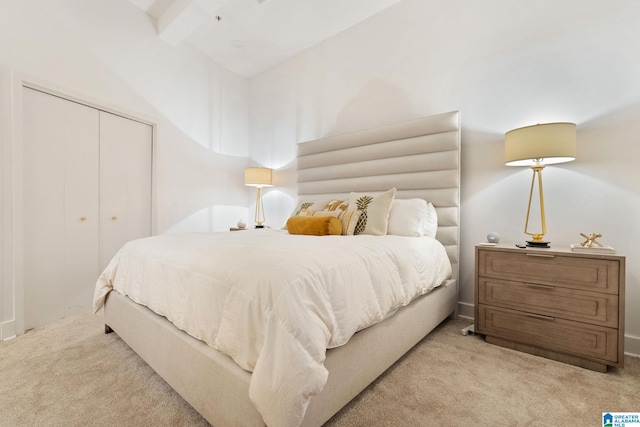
(180, 20)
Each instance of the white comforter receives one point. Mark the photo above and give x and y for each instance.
(275, 302)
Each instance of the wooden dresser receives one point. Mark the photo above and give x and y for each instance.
(554, 303)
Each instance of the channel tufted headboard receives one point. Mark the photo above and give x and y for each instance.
(420, 158)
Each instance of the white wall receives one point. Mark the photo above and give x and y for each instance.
(504, 65)
(108, 52)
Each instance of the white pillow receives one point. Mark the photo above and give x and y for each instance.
(375, 209)
(408, 217)
(431, 224)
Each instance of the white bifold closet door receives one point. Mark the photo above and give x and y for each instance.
(125, 183)
(86, 191)
(60, 206)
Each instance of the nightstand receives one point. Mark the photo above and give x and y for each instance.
(553, 303)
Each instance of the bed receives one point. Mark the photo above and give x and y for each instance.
(419, 160)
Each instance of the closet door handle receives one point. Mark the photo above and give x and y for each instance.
(83, 218)
(115, 218)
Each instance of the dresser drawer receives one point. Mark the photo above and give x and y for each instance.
(581, 306)
(579, 339)
(592, 274)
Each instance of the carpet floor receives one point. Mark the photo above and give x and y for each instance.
(71, 374)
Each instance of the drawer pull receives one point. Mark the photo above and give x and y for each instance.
(542, 255)
(542, 287)
(539, 316)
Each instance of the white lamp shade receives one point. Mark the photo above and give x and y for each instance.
(258, 177)
(544, 143)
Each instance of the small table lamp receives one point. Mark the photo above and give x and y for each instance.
(258, 177)
(537, 146)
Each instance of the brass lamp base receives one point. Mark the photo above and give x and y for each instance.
(536, 238)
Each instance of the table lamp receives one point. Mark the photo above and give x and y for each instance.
(537, 146)
(258, 177)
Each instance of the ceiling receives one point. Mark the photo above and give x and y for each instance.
(250, 36)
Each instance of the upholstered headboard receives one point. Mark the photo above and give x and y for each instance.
(420, 158)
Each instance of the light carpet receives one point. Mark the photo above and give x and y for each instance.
(71, 374)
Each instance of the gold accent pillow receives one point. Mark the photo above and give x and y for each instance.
(349, 219)
(311, 204)
(314, 225)
(337, 205)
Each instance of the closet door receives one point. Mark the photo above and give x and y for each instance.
(60, 207)
(81, 207)
(125, 183)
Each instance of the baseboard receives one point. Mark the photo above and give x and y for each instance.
(632, 346)
(465, 310)
(7, 330)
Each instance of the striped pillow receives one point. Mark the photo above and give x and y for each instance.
(349, 220)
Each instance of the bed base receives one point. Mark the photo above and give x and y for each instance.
(219, 390)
